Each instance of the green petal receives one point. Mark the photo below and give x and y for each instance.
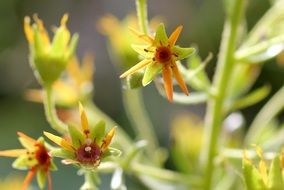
(98, 131)
(151, 71)
(38, 44)
(60, 41)
(111, 152)
(76, 136)
(41, 178)
(161, 37)
(182, 53)
(72, 47)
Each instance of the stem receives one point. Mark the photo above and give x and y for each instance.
(135, 110)
(50, 111)
(215, 107)
(91, 181)
(266, 114)
(165, 175)
(141, 8)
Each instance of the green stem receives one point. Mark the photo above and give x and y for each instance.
(50, 111)
(215, 107)
(91, 181)
(141, 8)
(274, 106)
(143, 127)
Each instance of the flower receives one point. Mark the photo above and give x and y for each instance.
(76, 85)
(34, 157)
(160, 53)
(87, 146)
(262, 176)
(46, 58)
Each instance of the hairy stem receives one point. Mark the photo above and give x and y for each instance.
(215, 107)
(50, 111)
(141, 8)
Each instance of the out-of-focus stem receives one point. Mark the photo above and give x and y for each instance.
(90, 181)
(141, 8)
(139, 119)
(50, 111)
(215, 107)
(266, 114)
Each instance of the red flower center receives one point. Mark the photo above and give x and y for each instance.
(42, 156)
(163, 54)
(88, 154)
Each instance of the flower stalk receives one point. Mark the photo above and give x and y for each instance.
(215, 108)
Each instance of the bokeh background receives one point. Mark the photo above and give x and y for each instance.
(202, 21)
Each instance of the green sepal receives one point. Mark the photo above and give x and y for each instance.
(134, 80)
(61, 153)
(52, 166)
(60, 41)
(252, 177)
(23, 163)
(111, 152)
(98, 131)
(161, 37)
(142, 50)
(76, 136)
(41, 178)
(275, 179)
(151, 71)
(72, 47)
(38, 44)
(182, 53)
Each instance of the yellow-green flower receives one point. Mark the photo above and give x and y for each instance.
(261, 176)
(161, 53)
(47, 58)
(76, 85)
(35, 158)
(87, 147)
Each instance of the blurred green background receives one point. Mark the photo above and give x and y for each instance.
(202, 21)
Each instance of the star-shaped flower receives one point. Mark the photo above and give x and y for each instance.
(34, 157)
(87, 147)
(161, 53)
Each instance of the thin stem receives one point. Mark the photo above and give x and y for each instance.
(90, 181)
(165, 175)
(245, 53)
(143, 127)
(141, 8)
(274, 106)
(215, 107)
(50, 111)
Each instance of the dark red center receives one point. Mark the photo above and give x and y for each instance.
(88, 154)
(163, 54)
(42, 156)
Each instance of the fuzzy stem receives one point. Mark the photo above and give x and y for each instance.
(215, 107)
(50, 111)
